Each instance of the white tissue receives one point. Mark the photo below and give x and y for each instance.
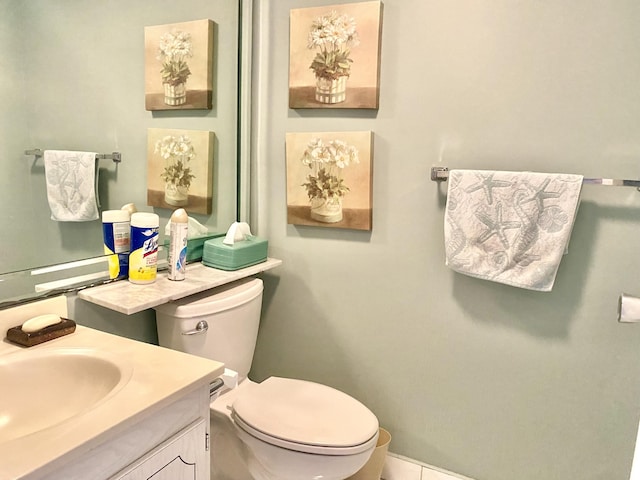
(196, 229)
(237, 232)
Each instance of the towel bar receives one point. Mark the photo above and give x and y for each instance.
(115, 156)
(441, 174)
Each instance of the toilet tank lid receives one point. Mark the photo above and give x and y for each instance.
(306, 413)
(215, 300)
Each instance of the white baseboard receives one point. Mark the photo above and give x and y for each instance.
(397, 467)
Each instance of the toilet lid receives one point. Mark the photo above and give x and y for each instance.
(306, 417)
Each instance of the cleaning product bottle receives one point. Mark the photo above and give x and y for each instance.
(143, 259)
(129, 207)
(178, 244)
(116, 231)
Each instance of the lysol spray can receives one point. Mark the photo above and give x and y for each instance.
(177, 257)
(116, 231)
(143, 259)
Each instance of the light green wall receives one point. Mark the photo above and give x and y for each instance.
(487, 380)
(139, 326)
(13, 132)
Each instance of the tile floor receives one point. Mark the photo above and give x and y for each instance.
(396, 468)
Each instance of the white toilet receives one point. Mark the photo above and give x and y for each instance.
(280, 429)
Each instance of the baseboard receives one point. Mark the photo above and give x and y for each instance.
(397, 467)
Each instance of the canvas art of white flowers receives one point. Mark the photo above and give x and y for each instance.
(333, 35)
(174, 48)
(178, 151)
(326, 160)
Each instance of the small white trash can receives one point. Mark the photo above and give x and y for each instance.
(373, 468)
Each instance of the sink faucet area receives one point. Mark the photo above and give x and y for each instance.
(64, 398)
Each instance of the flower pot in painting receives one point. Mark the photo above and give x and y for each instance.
(325, 186)
(331, 90)
(327, 210)
(174, 48)
(175, 94)
(176, 195)
(177, 152)
(333, 36)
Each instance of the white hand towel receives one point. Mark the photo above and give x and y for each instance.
(510, 227)
(71, 185)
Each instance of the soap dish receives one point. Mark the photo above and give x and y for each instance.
(29, 339)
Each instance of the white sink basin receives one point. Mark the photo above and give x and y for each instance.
(44, 388)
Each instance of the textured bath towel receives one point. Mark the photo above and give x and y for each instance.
(71, 185)
(510, 227)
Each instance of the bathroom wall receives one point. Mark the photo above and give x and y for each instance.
(490, 381)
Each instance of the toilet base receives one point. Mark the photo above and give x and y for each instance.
(227, 452)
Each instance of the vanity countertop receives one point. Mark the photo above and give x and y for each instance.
(157, 377)
(128, 298)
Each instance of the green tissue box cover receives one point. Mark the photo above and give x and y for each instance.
(195, 246)
(241, 254)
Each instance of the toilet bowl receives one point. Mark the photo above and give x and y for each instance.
(281, 428)
(289, 429)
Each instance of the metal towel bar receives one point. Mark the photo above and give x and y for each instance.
(441, 174)
(115, 156)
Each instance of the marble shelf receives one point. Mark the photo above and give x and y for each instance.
(128, 298)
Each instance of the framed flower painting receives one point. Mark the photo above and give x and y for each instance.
(334, 56)
(180, 169)
(179, 66)
(329, 179)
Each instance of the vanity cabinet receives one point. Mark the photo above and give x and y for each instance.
(182, 457)
(169, 444)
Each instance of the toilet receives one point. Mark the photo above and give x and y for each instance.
(281, 428)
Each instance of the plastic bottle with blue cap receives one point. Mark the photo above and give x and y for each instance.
(177, 257)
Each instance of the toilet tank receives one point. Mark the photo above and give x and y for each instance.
(232, 313)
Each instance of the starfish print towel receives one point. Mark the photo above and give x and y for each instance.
(71, 179)
(510, 227)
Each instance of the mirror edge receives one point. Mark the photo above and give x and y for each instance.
(245, 32)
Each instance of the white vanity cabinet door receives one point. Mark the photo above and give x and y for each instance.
(183, 457)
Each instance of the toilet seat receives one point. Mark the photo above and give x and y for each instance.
(305, 417)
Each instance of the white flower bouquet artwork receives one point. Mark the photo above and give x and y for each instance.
(335, 56)
(174, 50)
(177, 152)
(329, 179)
(332, 36)
(325, 185)
(180, 169)
(178, 65)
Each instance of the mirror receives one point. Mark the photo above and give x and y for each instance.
(73, 79)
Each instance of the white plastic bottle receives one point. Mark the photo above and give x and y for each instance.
(129, 207)
(143, 259)
(177, 257)
(116, 231)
